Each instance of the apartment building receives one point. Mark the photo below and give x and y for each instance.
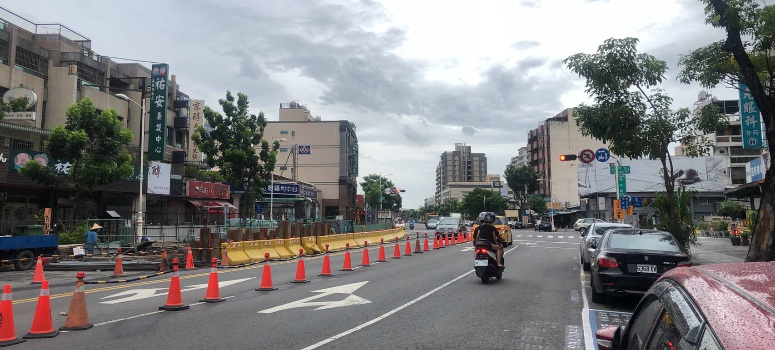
(459, 189)
(323, 153)
(555, 136)
(522, 157)
(460, 165)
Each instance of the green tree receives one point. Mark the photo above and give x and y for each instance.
(682, 227)
(732, 61)
(634, 116)
(449, 205)
(232, 145)
(538, 204)
(14, 105)
(731, 209)
(373, 191)
(523, 181)
(480, 200)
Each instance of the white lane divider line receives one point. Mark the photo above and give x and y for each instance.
(588, 341)
(540, 236)
(391, 312)
(147, 314)
(549, 236)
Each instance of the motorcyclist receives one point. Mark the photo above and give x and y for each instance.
(411, 224)
(487, 232)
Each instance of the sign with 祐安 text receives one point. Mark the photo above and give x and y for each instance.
(750, 119)
(157, 125)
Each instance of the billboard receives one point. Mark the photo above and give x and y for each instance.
(159, 178)
(757, 168)
(157, 132)
(701, 174)
(197, 108)
(200, 189)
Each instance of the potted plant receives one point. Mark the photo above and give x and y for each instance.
(745, 237)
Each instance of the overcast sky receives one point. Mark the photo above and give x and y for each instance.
(415, 77)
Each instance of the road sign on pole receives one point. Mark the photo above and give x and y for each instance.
(622, 184)
(602, 155)
(587, 156)
(623, 169)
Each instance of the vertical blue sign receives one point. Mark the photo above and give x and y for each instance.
(750, 119)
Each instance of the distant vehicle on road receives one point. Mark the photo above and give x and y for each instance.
(517, 225)
(545, 225)
(582, 225)
(432, 224)
(708, 307)
(628, 261)
(22, 250)
(501, 223)
(449, 226)
(592, 236)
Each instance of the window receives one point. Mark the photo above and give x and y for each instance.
(22, 144)
(662, 242)
(666, 335)
(709, 341)
(283, 149)
(642, 321)
(283, 132)
(293, 133)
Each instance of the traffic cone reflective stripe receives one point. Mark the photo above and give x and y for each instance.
(77, 315)
(7, 329)
(189, 260)
(118, 270)
(347, 265)
(213, 294)
(301, 273)
(42, 326)
(454, 239)
(397, 252)
(408, 250)
(38, 277)
(174, 298)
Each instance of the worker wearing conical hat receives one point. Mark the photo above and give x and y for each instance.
(91, 238)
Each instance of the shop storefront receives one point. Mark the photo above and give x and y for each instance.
(208, 201)
(290, 201)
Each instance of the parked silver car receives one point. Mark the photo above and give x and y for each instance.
(582, 225)
(591, 235)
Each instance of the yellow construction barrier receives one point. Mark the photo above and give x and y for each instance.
(253, 250)
(310, 245)
(294, 245)
(279, 246)
(321, 242)
(235, 253)
(268, 246)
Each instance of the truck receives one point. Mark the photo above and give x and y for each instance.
(22, 250)
(455, 215)
(431, 216)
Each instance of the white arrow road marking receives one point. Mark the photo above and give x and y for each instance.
(467, 249)
(137, 294)
(308, 302)
(530, 243)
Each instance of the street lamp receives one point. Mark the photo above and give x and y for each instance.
(551, 200)
(142, 149)
(484, 199)
(271, 193)
(380, 195)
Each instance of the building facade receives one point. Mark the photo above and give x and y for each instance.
(459, 189)
(556, 136)
(522, 158)
(459, 166)
(320, 152)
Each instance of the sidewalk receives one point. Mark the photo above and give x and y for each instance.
(716, 251)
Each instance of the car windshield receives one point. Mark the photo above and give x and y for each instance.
(600, 230)
(449, 221)
(661, 242)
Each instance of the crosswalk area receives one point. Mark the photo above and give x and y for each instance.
(546, 236)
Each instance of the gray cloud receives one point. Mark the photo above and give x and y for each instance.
(529, 3)
(469, 131)
(525, 44)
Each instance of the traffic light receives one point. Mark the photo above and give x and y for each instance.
(566, 157)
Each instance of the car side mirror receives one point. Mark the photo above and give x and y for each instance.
(593, 245)
(608, 338)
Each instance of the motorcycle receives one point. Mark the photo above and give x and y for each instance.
(485, 262)
(411, 226)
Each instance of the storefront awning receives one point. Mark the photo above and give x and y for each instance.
(749, 190)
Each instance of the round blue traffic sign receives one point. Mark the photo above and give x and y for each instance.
(602, 155)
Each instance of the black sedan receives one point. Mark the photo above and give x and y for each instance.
(544, 226)
(628, 261)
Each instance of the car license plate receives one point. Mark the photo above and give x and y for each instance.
(646, 268)
(481, 262)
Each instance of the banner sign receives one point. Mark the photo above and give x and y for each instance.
(750, 119)
(157, 127)
(292, 189)
(197, 108)
(20, 157)
(159, 178)
(199, 189)
(29, 116)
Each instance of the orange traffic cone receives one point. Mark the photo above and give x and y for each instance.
(408, 250)
(266, 276)
(7, 329)
(365, 260)
(326, 270)
(189, 260)
(381, 257)
(77, 315)
(301, 274)
(425, 246)
(447, 241)
(417, 247)
(42, 326)
(347, 266)
(454, 239)
(164, 266)
(213, 294)
(118, 270)
(397, 252)
(38, 277)
(174, 299)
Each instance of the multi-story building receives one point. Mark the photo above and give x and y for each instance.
(728, 142)
(522, 158)
(458, 166)
(556, 136)
(58, 67)
(321, 152)
(459, 189)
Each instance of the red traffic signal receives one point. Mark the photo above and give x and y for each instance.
(566, 157)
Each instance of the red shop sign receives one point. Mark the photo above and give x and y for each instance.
(198, 189)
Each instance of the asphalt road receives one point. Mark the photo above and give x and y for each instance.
(426, 301)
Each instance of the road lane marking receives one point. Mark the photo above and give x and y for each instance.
(348, 289)
(147, 314)
(573, 337)
(538, 246)
(391, 312)
(589, 343)
(138, 294)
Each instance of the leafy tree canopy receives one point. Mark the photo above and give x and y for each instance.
(14, 105)
(523, 181)
(480, 200)
(538, 205)
(374, 188)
